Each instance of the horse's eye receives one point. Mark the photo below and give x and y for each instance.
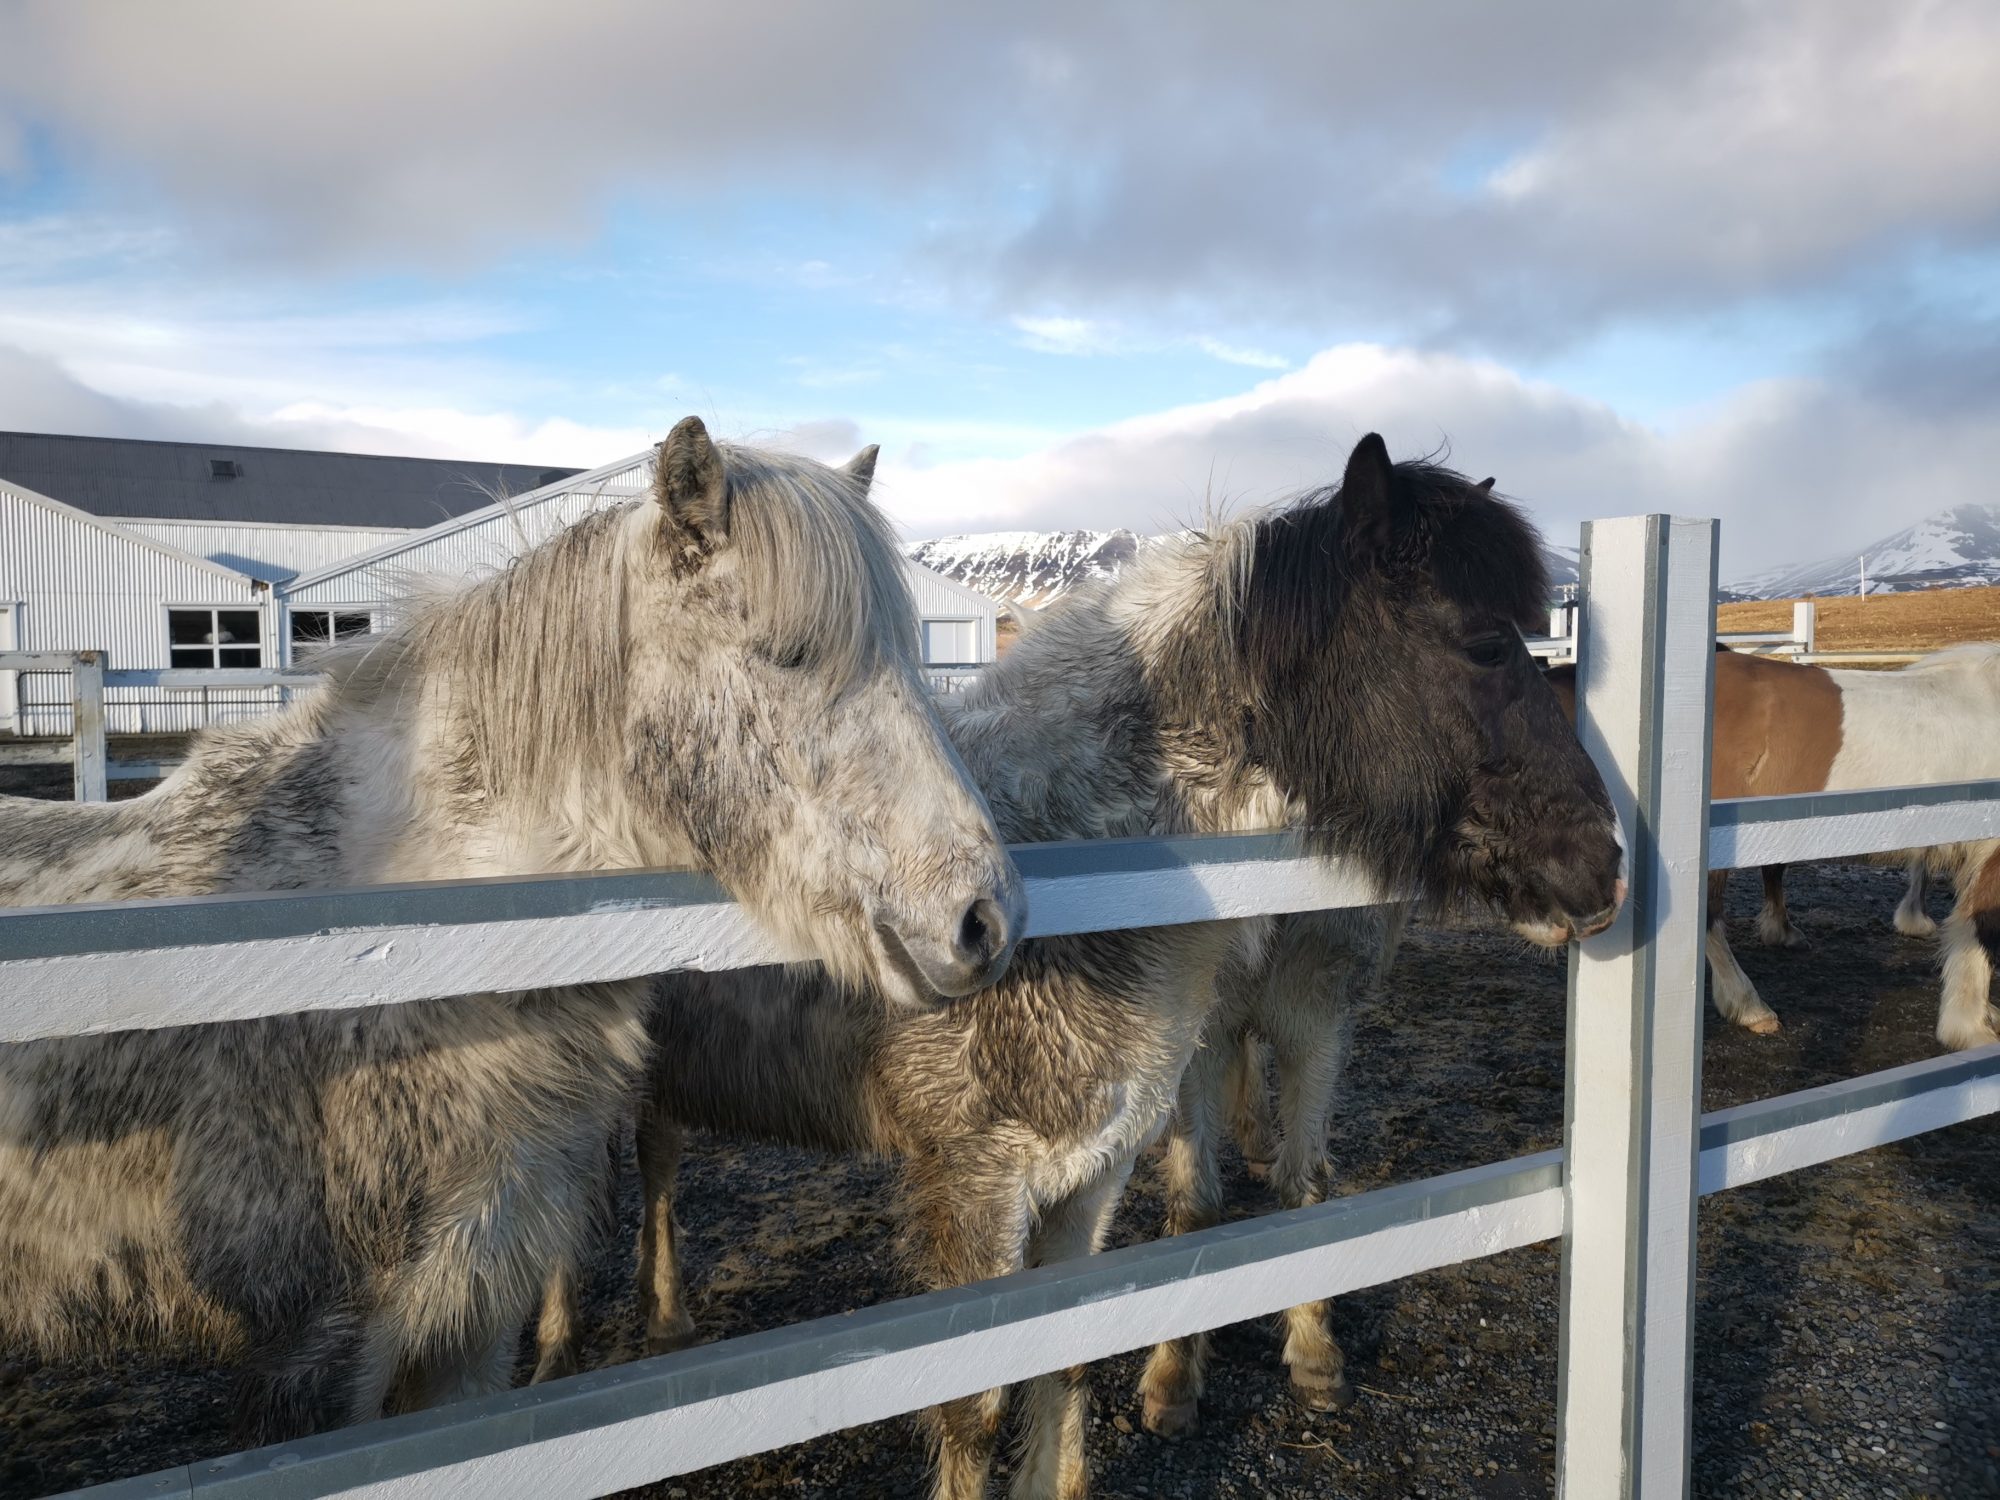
(1488, 651)
(788, 658)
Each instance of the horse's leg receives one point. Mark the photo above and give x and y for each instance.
(1911, 918)
(967, 1222)
(1774, 923)
(1966, 1017)
(1172, 1382)
(1249, 1097)
(329, 1369)
(555, 1330)
(480, 1369)
(668, 1323)
(1734, 995)
(1053, 1463)
(1309, 1040)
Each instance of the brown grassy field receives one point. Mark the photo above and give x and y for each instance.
(1923, 621)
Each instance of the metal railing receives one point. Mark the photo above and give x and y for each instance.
(1622, 1193)
(90, 679)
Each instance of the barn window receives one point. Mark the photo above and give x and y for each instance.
(215, 638)
(951, 643)
(313, 628)
(224, 468)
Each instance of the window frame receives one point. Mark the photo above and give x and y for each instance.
(372, 613)
(925, 621)
(261, 645)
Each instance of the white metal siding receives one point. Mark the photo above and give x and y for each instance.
(475, 545)
(81, 587)
(268, 552)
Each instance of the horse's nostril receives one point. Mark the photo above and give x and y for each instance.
(982, 932)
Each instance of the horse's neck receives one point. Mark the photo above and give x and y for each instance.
(321, 795)
(1082, 732)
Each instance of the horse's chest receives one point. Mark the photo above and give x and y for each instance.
(1129, 1116)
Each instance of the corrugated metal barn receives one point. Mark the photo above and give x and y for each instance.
(198, 555)
(165, 554)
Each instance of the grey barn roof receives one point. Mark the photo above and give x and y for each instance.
(138, 478)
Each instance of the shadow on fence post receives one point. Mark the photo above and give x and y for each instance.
(1645, 673)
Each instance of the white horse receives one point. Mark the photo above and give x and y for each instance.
(360, 1207)
(1352, 665)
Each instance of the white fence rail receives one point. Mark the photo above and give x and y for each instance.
(1799, 643)
(91, 681)
(1622, 1194)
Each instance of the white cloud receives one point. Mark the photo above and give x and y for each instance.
(1236, 354)
(1794, 469)
(37, 394)
(1076, 336)
(1674, 155)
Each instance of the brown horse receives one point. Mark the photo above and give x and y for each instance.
(1782, 728)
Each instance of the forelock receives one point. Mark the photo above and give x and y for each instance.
(821, 573)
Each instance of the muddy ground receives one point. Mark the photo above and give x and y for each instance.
(1848, 1327)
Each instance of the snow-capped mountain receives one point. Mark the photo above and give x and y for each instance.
(1037, 568)
(1027, 567)
(1953, 548)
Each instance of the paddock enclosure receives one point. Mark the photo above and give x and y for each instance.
(1596, 1230)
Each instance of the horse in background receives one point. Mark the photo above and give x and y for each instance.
(359, 1208)
(1351, 665)
(1783, 728)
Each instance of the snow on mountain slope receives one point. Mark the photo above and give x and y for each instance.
(1037, 568)
(1954, 548)
(1027, 567)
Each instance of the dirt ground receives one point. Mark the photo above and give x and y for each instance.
(1924, 621)
(1847, 1338)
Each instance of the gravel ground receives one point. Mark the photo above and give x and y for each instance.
(1847, 1327)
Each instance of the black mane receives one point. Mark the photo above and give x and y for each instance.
(1347, 632)
(1475, 549)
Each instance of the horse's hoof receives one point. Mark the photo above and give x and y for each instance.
(1916, 927)
(1259, 1147)
(672, 1337)
(1322, 1394)
(1763, 1026)
(1970, 1037)
(1172, 1419)
(554, 1367)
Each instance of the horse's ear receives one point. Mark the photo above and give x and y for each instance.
(689, 483)
(862, 465)
(1379, 517)
(1485, 486)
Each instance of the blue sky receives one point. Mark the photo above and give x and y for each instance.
(1098, 270)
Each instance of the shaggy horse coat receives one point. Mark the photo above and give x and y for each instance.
(1352, 665)
(355, 1203)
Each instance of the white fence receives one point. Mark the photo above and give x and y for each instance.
(224, 693)
(1799, 643)
(1622, 1194)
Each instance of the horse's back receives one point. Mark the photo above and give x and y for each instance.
(1778, 727)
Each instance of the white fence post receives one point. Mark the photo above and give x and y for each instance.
(1645, 673)
(1805, 625)
(87, 725)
